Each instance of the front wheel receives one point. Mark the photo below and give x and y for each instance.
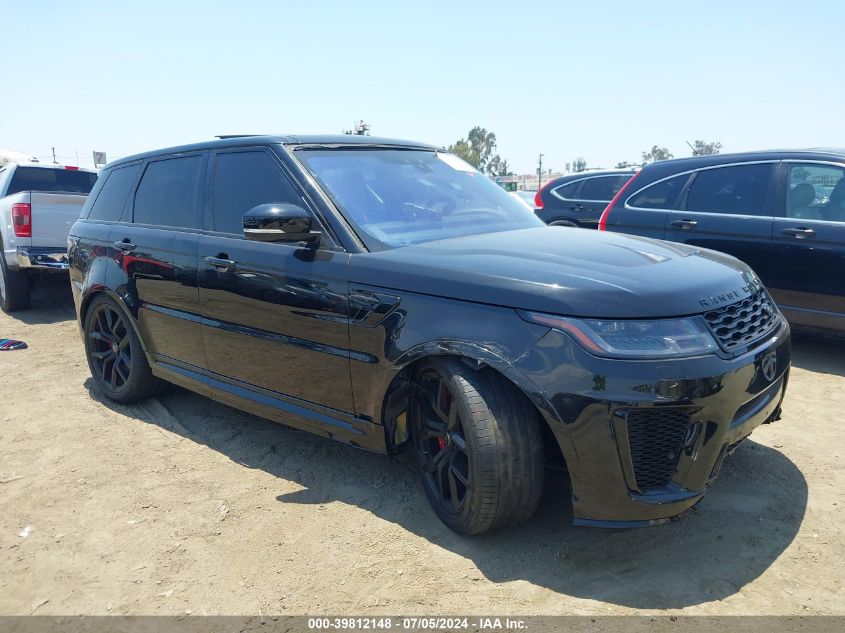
(115, 357)
(478, 444)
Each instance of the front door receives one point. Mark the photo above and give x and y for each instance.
(729, 209)
(275, 316)
(809, 246)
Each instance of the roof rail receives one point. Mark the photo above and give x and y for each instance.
(222, 136)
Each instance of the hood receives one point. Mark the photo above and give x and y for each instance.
(565, 271)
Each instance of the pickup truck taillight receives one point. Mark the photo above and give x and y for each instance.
(22, 219)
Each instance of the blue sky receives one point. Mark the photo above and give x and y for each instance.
(602, 80)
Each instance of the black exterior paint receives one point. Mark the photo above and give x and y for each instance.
(317, 337)
(801, 261)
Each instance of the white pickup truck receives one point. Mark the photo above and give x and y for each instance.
(38, 205)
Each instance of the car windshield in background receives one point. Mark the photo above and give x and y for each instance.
(49, 180)
(396, 197)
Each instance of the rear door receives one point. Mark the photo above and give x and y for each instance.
(594, 195)
(107, 205)
(808, 258)
(560, 205)
(729, 209)
(275, 315)
(157, 254)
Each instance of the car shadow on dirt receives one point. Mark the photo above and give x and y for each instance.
(749, 517)
(819, 354)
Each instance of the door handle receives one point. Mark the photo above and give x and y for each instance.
(684, 224)
(799, 233)
(220, 263)
(125, 245)
(577, 207)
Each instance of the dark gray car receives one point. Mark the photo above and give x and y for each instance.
(579, 199)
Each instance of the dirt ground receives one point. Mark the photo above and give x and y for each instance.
(181, 504)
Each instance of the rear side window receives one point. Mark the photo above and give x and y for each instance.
(167, 193)
(50, 180)
(660, 195)
(112, 197)
(243, 180)
(567, 191)
(602, 188)
(740, 189)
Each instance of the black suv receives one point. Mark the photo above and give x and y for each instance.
(386, 294)
(579, 199)
(781, 212)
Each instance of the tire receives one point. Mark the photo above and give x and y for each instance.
(478, 444)
(15, 287)
(563, 223)
(115, 357)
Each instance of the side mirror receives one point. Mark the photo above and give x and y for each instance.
(279, 223)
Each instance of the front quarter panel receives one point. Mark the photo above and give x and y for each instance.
(409, 326)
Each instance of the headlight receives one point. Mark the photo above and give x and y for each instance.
(633, 338)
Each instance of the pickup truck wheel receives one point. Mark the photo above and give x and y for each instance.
(15, 287)
(115, 357)
(479, 446)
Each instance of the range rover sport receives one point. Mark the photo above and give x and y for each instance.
(386, 294)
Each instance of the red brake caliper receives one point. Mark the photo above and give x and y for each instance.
(441, 442)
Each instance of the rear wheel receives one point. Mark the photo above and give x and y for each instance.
(115, 357)
(15, 287)
(478, 444)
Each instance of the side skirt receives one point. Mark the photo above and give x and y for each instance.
(274, 406)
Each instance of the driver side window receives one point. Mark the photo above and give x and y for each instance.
(816, 192)
(243, 180)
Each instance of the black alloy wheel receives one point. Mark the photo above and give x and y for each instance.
(440, 443)
(478, 444)
(115, 357)
(111, 352)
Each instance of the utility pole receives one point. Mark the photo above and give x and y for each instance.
(540, 172)
(54, 155)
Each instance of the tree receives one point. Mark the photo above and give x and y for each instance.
(579, 164)
(623, 164)
(655, 154)
(498, 167)
(478, 150)
(702, 148)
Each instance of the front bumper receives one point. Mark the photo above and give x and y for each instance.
(49, 259)
(642, 440)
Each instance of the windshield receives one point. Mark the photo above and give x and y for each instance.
(396, 197)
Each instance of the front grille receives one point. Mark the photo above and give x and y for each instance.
(656, 438)
(741, 323)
